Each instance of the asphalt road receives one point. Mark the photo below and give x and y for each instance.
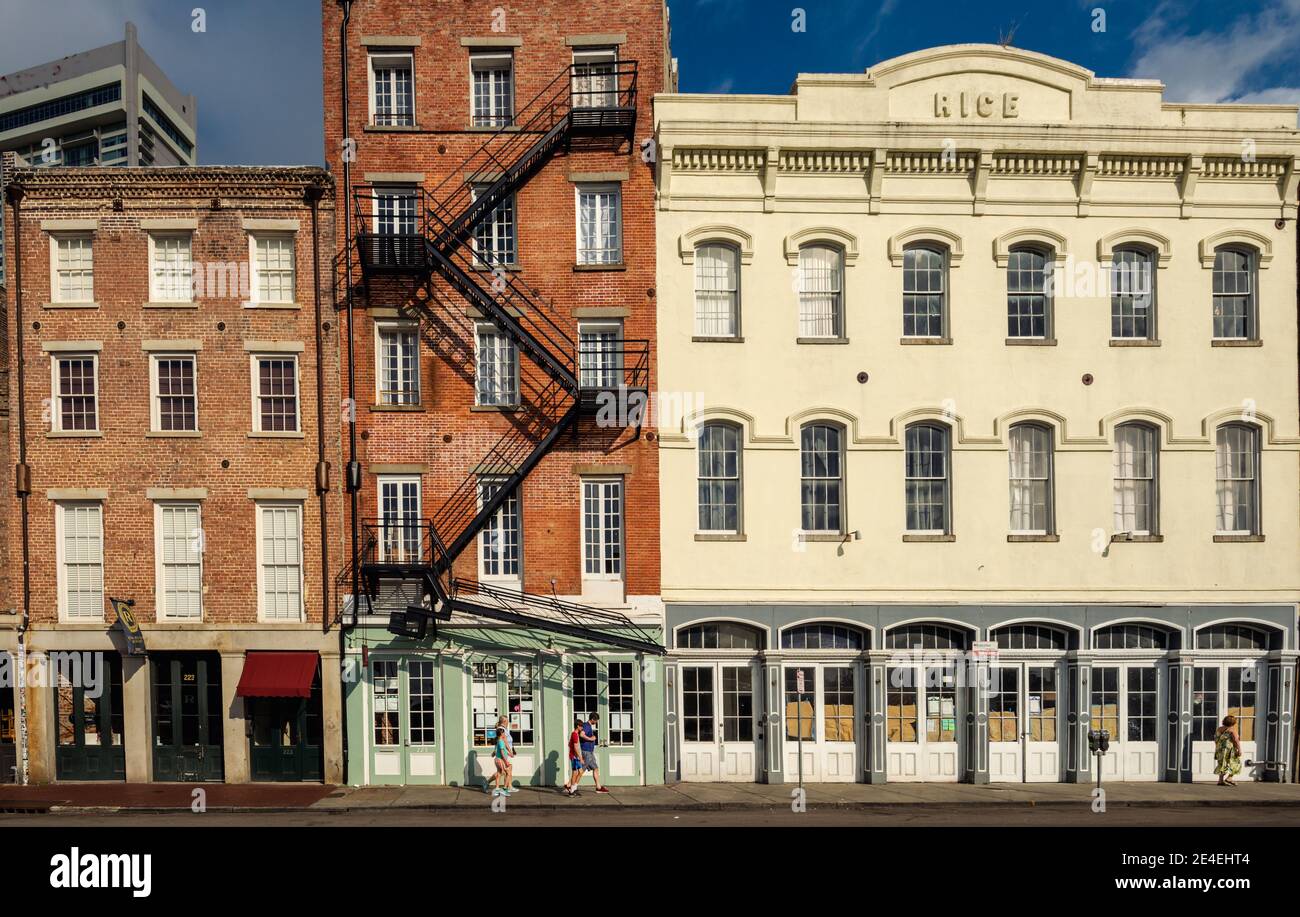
(911, 815)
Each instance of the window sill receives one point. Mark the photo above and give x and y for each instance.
(1236, 539)
(511, 268)
(920, 340)
(277, 434)
(390, 128)
(1122, 538)
(609, 266)
(821, 340)
(271, 305)
(397, 408)
(1026, 539)
(1224, 342)
(824, 536)
(929, 539)
(709, 339)
(170, 305)
(173, 434)
(1133, 342)
(494, 408)
(70, 305)
(720, 536)
(1031, 342)
(491, 129)
(74, 434)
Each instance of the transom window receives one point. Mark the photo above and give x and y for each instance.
(600, 224)
(74, 269)
(717, 290)
(1028, 302)
(273, 264)
(720, 635)
(1236, 463)
(1234, 294)
(275, 409)
(1031, 637)
(1030, 458)
(497, 376)
(1132, 637)
(824, 637)
(822, 483)
(719, 478)
(493, 95)
(926, 636)
(392, 97)
(821, 292)
(175, 397)
(926, 472)
(171, 267)
(1132, 294)
(1135, 460)
(398, 376)
(923, 292)
(1235, 637)
(76, 380)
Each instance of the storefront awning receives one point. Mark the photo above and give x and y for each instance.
(277, 675)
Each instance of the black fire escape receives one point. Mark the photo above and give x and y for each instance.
(428, 238)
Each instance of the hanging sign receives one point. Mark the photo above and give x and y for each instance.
(129, 627)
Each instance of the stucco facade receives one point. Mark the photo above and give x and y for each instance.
(977, 154)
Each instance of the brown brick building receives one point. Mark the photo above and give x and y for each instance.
(500, 256)
(175, 416)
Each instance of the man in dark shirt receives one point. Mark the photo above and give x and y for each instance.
(588, 742)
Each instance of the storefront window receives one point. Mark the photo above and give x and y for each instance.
(621, 720)
(1004, 705)
(1241, 700)
(1205, 704)
(737, 704)
(940, 706)
(900, 705)
(421, 689)
(837, 703)
(384, 695)
(1042, 703)
(483, 701)
(799, 714)
(697, 703)
(519, 701)
(1104, 709)
(1142, 709)
(586, 689)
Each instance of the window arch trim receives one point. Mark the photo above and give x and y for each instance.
(846, 243)
(716, 233)
(926, 237)
(1143, 240)
(1055, 245)
(1238, 239)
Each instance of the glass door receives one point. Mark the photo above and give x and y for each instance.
(1126, 703)
(89, 725)
(187, 718)
(1219, 690)
(1006, 743)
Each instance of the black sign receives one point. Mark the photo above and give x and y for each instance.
(129, 627)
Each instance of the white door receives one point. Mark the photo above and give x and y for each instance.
(1218, 690)
(921, 724)
(825, 714)
(1126, 702)
(1023, 744)
(718, 722)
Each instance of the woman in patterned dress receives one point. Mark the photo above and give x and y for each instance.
(1227, 751)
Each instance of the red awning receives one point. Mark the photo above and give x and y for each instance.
(277, 675)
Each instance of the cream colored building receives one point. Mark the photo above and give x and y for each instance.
(985, 351)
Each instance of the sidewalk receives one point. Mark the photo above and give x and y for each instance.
(163, 797)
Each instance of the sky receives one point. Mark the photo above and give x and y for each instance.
(256, 69)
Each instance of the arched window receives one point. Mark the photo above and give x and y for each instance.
(1237, 637)
(1236, 472)
(821, 292)
(720, 635)
(926, 637)
(926, 475)
(1132, 294)
(821, 478)
(1031, 480)
(824, 637)
(1235, 295)
(1029, 304)
(719, 478)
(717, 290)
(1031, 637)
(925, 303)
(1136, 479)
(1133, 637)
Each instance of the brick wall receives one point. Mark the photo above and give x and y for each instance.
(446, 435)
(125, 460)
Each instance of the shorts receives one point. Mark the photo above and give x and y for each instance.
(589, 760)
(575, 764)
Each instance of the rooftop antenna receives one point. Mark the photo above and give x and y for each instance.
(1006, 38)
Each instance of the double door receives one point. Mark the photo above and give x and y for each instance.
(1127, 701)
(1024, 707)
(821, 731)
(403, 720)
(1218, 690)
(921, 724)
(719, 721)
(610, 689)
(188, 717)
(89, 723)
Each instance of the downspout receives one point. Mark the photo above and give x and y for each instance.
(354, 468)
(23, 487)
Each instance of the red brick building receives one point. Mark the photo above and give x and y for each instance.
(175, 416)
(500, 257)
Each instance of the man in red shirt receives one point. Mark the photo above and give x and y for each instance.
(575, 760)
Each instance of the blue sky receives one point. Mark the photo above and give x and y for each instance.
(257, 69)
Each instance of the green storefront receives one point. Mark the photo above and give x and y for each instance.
(419, 712)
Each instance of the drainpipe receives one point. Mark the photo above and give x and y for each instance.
(354, 468)
(313, 194)
(22, 485)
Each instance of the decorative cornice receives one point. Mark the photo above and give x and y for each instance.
(929, 162)
(717, 160)
(1011, 162)
(184, 182)
(1236, 167)
(1124, 165)
(825, 162)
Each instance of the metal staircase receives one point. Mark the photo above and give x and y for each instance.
(429, 237)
